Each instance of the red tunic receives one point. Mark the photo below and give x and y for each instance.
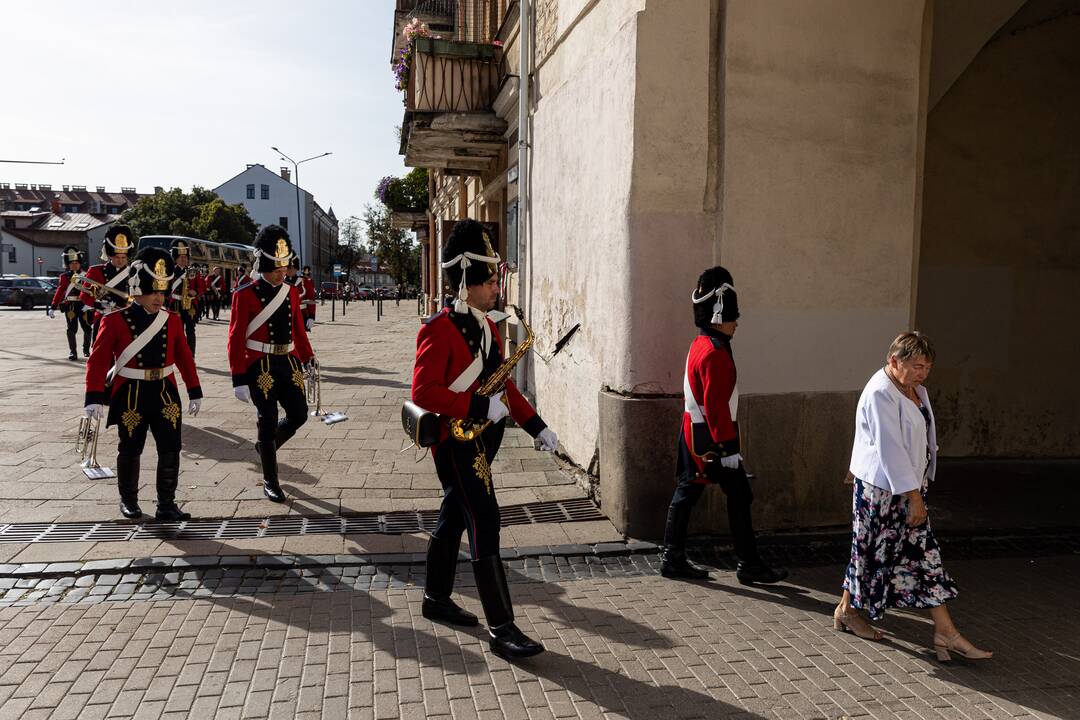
(710, 369)
(102, 273)
(309, 298)
(246, 304)
(114, 335)
(61, 291)
(442, 354)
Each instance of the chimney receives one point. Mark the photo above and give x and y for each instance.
(158, 189)
(100, 188)
(286, 174)
(56, 206)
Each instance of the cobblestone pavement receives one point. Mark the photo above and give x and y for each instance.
(342, 469)
(622, 643)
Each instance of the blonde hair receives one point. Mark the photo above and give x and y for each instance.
(909, 345)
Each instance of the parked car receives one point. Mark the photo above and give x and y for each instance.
(330, 291)
(26, 293)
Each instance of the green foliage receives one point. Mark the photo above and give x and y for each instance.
(350, 249)
(398, 255)
(409, 193)
(200, 213)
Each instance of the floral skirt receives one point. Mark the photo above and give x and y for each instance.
(892, 565)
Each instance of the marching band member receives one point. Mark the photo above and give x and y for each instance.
(308, 299)
(267, 348)
(141, 347)
(114, 248)
(456, 351)
(708, 448)
(216, 291)
(184, 289)
(66, 299)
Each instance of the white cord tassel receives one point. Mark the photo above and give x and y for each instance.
(718, 306)
(465, 261)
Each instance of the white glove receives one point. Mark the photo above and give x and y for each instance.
(242, 393)
(89, 309)
(51, 313)
(95, 411)
(309, 323)
(195, 405)
(731, 462)
(548, 440)
(496, 410)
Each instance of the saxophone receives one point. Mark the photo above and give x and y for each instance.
(185, 299)
(465, 430)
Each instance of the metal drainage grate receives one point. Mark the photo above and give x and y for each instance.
(393, 523)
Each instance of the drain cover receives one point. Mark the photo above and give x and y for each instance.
(393, 523)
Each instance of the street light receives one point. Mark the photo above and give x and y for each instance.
(296, 180)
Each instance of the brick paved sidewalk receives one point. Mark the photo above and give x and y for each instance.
(619, 646)
(346, 468)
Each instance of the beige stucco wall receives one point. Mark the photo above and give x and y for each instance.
(1000, 264)
(577, 261)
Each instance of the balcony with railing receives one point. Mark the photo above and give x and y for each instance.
(450, 74)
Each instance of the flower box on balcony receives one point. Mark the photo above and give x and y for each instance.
(449, 76)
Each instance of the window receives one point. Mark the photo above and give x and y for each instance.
(251, 191)
(265, 192)
(26, 283)
(283, 222)
(11, 254)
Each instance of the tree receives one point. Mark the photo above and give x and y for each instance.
(200, 213)
(350, 249)
(398, 255)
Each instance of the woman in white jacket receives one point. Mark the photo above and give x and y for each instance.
(895, 560)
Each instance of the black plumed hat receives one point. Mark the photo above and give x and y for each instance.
(180, 246)
(469, 258)
(71, 254)
(273, 249)
(151, 272)
(715, 300)
(119, 240)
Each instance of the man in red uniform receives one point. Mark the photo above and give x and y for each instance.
(456, 351)
(117, 244)
(138, 350)
(267, 348)
(184, 290)
(66, 299)
(308, 298)
(708, 446)
(216, 291)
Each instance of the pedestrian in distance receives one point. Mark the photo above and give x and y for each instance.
(66, 299)
(457, 350)
(138, 350)
(895, 558)
(708, 450)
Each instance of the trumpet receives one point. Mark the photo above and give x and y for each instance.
(313, 388)
(86, 445)
(97, 289)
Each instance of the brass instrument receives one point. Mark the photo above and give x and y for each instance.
(313, 388)
(86, 445)
(98, 290)
(185, 299)
(464, 429)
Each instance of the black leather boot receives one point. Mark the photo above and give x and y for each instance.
(168, 475)
(127, 481)
(507, 641)
(72, 355)
(442, 557)
(758, 572)
(268, 456)
(673, 561)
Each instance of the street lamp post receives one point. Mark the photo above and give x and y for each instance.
(296, 181)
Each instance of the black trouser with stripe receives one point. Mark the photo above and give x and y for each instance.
(278, 380)
(76, 318)
(140, 406)
(469, 503)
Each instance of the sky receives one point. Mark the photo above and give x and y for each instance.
(139, 94)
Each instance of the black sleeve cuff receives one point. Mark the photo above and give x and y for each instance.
(95, 398)
(478, 407)
(239, 380)
(534, 425)
(194, 393)
(729, 447)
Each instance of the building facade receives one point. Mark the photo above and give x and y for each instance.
(271, 199)
(862, 168)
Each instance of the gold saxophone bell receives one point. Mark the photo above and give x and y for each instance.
(465, 429)
(86, 445)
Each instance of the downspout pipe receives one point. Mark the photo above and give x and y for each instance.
(524, 69)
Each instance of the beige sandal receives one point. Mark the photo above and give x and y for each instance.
(853, 622)
(958, 644)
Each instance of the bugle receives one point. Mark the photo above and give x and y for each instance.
(313, 391)
(86, 445)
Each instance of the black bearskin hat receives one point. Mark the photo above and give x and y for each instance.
(295, 264)
(272, 249)
(306, 271)
(151, 272)
(714, 298)
(119, 240)
(72, 254)
(180, 246)
(469, 258)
